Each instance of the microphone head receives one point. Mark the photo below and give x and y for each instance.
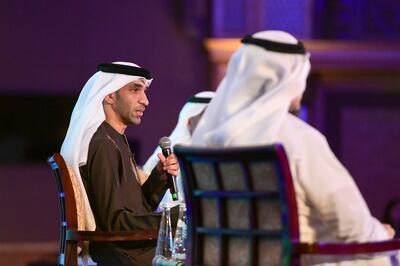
(165, 143)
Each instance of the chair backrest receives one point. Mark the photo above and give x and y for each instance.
(241, 205)
(70, 205)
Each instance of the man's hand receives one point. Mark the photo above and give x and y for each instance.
(390, 231)
(169, 164)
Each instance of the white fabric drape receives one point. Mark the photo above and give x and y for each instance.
(255, 77)
(251, 108)
(180, 135)
(86, 117)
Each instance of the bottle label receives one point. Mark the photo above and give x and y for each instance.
(184, 232)
(181, 224)
(180, 256)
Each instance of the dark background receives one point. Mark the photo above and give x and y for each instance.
(49, 49)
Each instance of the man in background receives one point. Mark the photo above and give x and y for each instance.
(265, 77)
(189, 116)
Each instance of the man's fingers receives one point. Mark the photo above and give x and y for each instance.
(169, 164)
(161, 157)
(172, 164)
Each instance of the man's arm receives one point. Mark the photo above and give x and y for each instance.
(151, 188)
(155, 187)
(334, 194)
(104, 167)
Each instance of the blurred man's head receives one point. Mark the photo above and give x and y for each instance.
(265, 79)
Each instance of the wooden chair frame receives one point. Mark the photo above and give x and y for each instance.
(69, 233)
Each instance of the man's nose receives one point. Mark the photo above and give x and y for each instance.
(144, 100)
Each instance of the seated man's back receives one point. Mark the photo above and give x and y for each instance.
(251, 107)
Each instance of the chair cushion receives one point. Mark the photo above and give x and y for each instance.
(80, 206)
(143, 176)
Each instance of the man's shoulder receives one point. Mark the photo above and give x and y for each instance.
(101, 141)
(301, 138)
(303, 129)
(99, 137)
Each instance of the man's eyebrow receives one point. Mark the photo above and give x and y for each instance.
(138, 85)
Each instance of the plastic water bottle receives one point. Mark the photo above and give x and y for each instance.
(179, 250)
(165, 241)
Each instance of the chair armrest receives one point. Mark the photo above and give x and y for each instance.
(148, 234)
(346, 248)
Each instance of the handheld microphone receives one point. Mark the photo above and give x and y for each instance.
(165, 145)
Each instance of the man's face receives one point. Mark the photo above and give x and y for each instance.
(130, 102)
(193, 121)
(295, 105)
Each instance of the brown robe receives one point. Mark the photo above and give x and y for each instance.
(118, 201)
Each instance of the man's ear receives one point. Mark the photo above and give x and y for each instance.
(110, 98)
(190, 124)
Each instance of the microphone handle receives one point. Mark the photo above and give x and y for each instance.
(173, 188)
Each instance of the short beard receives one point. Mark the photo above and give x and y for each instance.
(295, 112)
(125, 119)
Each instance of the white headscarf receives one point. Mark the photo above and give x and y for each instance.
(258, 88)
(86, 117)
(180, 135)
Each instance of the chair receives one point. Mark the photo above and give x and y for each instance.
(242, 210)
(69, 205)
